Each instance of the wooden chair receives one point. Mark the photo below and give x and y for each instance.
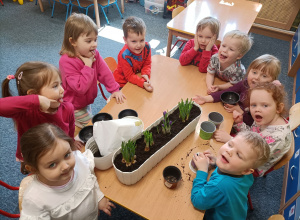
(175, 12)
(189, 2)
(294, 121)
(105, 4)
(112, 65)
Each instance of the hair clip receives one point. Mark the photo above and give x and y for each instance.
(277, 83)
(20, 76)
(9, 77)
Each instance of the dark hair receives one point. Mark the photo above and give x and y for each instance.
(31, 75)
(38, 140)
(134, 24)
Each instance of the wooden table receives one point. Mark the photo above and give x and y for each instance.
(95, 8)
(240, 15)
(149, 197)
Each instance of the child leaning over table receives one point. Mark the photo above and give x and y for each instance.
(224, 196)
(135, 56)
(227, 64)
(199, 50)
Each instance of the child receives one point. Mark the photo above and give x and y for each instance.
(135, 56)
(40, 100)
(224, 196)
(82, 66)
(199, 50)
(265, 68)
(227, 64)
(267, 107)
(63, 184)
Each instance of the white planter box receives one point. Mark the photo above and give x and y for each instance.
(129, 178)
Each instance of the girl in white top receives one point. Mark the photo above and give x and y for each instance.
(267, 107)
(63, 184)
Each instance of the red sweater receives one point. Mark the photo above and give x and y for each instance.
(25, 110)
(130, 63)
(198, 58)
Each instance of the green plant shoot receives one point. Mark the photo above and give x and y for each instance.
(185, 109)
(148, 139)
(128, 152)
(166, 123)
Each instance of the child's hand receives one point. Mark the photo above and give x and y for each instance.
(200, 100)
(106, 206)
(146, 78)
(237, 117)
(148, 86)
(210, 156)
(201, 161)
(211, 43)
(49, 106)
(88, 61)
(78, 145)
(212, 89)
(230, 108)
(120, 97)
(222, 136)
(196, 44)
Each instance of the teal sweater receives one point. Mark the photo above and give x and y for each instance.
(223, 197)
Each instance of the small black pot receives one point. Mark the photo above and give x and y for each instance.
(102, 117)
(172, 176)
(86, 133)
(127, 112)
(230, 98)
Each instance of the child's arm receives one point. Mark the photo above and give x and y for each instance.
(106, 206)
(202, 99)
(188, 53)
(146, 68)
(210, 78)
(223, 86)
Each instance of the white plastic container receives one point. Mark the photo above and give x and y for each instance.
(155, 7)
(129, 178)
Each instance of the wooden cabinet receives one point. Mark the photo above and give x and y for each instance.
(290, 200)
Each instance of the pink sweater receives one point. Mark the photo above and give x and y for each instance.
(198, 58)
(80, 81)
(25, 110)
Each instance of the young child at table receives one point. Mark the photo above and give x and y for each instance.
(265, 68)
(63, 184)
(82, 66)
(40, 100)
(224, 196)
(135, 56)
(199, 50)
(267, 107)
(227, 63)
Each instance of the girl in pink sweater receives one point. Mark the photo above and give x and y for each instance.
(82, 67)
(40, 100)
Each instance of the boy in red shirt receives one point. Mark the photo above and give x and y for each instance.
(135, 56)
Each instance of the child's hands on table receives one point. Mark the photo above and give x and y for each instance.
(106, 206)
(201, 161)
(211, 157)
(212, 88)
(148, 86)
(120, 97)
(146, 77)
(222, 136)
(230, 108)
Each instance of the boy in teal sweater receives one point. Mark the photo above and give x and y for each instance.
(224, 196)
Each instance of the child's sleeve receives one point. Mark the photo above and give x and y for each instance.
(146, 69)
(212, 66)
(11, 106)
(205, 58)
(105, 76)
(205, 195)
(188, 53)
(31, 211)
(78, 76)
(239, 73)
(241, 127)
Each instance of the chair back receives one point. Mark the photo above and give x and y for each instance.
(189, 2)
(294, 121)
(177, 10)
(111, 63)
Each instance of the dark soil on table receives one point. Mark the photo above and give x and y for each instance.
(160, 140)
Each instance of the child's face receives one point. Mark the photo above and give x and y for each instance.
(135, 42)
(229, 51)
(204, 36)
(56, 167)
(53, 90)
(236, 157)
(85, 44)
(257, 76)
(263, 108)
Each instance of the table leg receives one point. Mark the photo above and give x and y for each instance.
(41, 5)
(96, 13)
(122, 6)
(170, 36)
